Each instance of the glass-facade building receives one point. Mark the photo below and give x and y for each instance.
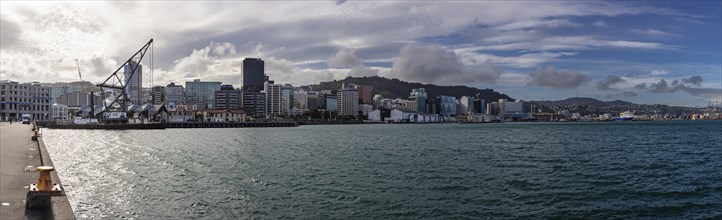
(201, 94)
(253, 74)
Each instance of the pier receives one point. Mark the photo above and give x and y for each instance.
(19, 158)
(230, 124)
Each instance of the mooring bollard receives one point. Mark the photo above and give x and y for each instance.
(35, 136)
(39, 193)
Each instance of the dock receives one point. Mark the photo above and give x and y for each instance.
(230, 124)
(19, 158)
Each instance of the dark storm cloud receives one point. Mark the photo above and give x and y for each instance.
(611, 80)
(562, 80)
(434, 64)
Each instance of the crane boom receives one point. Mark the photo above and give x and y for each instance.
(79, 75)
(119, 101)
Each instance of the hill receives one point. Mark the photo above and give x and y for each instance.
(587, 106)
(394, 88)
(584, 101)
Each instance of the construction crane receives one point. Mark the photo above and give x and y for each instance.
(79, 75)
(118, 105)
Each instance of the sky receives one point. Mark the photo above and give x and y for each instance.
(667, 52)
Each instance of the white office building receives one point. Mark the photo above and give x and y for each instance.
(274, 98)
(347, 101)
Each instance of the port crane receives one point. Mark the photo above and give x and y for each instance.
(79, 75)
(118, 104)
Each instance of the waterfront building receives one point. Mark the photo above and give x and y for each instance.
(58, 89)
(418, 99)
(379, 115)
(364, 93)
(446, 105)
(253, 74)
(201, 94)
(254, 103)
(274, 98)
(332, 103)
(174, 94)
(299, 99)
(17, 99)
(492, 108)
(401, 115)
(159, 95)
(223, 115)
(312, 100)
(227, 98)
(77, 100)
(134, 81)
(287, 98)
(59, 112)
(466, 105)
(347, 100)
(479, 106)
(511, 107)
(365, 108)
(377, 101)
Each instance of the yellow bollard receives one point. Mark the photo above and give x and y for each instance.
(45, 183)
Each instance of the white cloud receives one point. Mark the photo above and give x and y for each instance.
(600, 23)
(344, 58)
(658, 72)
(653, 33)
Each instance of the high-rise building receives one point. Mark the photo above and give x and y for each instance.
(159, 95)
(418, 99)
(274, 98)
(332, 103)
(254, 103)
(17, 99)
(446, 105)
(347, 100)
(364, 93)
(227, 98)
(299, 99)
(134, 81)
(174, 94)
(479, 106)
(253, 74)
(466, 105)
(201, 94)
(287, 97)
(312, 100)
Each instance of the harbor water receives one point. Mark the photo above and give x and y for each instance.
(670, 169)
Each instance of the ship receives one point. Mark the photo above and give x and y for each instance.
(624, 116)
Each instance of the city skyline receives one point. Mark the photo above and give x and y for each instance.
(643, 52)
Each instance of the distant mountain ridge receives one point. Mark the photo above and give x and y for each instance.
(395, 88)
(584, 101)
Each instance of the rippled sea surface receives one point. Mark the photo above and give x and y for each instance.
(512, 170)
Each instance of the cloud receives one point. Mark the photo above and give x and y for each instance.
(641, 86)
(600, 23)
(611, 80)
(653, 33)
(710, 94)
(361, 70)
(434, 64)
(658, 72)
(537, 24)
(344, 58)
(9, 36)
(561, 80)
(694, 80)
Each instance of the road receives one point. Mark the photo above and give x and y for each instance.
(17, 152)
